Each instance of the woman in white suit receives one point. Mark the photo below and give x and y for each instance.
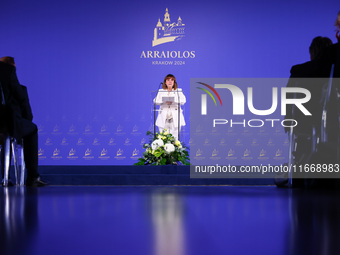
(170, 97)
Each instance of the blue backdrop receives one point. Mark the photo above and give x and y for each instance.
(89, 69)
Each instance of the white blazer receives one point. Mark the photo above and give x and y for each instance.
(173, 108)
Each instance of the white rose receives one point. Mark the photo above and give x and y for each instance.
(169, 148)
(156, 144)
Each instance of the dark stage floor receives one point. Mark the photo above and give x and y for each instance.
(170, 220)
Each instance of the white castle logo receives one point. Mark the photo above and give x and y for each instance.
(168, 32)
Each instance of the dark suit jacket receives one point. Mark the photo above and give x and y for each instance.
(337, 60)
(25, 106)
(14, 96)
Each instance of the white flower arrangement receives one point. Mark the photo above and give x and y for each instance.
(163, 149)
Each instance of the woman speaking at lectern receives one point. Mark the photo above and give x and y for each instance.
(170, 98)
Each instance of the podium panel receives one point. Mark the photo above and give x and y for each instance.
(167, 112)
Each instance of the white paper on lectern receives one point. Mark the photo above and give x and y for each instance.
(168, 99)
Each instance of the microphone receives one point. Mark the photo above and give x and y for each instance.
(179, 114)
(154, 110)
(158, 89)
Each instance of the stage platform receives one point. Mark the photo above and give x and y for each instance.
(134, 175)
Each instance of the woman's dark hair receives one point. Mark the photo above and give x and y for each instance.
(170, 76)
(8, 60)
(318, 45)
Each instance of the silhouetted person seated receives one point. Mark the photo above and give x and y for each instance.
(16, 98)
(322, 54)
(319, 70)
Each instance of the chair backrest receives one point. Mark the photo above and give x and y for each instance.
(325, 107)
(2, 95)
(5, 114)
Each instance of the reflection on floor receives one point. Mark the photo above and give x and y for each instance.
(172, 220)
